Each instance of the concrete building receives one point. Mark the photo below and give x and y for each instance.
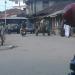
(38, 5)
(20, 4)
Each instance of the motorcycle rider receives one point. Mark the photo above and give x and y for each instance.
(23, 29)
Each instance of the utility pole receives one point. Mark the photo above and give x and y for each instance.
(3, 29)
(35, 7)
(5, 12)
(35, 10)
(19, 4)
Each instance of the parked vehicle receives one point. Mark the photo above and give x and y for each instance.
(72, 66)
(30, 27)
(13, 28)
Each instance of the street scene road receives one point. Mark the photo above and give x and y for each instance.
(37, 55)
(37, 37)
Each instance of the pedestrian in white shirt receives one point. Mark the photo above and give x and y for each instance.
(67, 29)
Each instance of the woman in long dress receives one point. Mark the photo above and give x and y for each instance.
(67, 30)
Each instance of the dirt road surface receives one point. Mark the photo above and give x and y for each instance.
(37, 55)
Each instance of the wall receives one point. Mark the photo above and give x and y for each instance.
(40, 5)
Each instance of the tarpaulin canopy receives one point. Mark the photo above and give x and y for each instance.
(69, 14)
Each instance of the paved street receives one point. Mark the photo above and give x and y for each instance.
(37, 55)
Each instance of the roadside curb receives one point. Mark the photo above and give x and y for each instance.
(6, 47)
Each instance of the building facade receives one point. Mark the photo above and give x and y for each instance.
(38, 5)
(34, 6)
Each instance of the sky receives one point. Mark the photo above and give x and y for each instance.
(9, 4)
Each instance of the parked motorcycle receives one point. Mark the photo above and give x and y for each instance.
(72, 66)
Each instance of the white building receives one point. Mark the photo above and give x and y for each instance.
(20, 4)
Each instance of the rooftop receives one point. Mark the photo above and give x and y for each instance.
(11, 12)
(54, 8)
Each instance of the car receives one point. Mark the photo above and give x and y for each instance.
(30, 28)
(13, 28)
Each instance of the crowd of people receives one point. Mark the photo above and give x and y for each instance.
(43, 27)
(40, 27)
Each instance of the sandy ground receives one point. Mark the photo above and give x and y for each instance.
(37, 55)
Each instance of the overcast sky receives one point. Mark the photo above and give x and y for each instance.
(9, 4)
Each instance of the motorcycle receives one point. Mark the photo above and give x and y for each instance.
(23, 31)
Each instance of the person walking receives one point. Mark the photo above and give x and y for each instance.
(67, 29)
(2, 35)
(43, 26)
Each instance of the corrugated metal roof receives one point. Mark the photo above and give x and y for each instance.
(56, 8)
(14, 17)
